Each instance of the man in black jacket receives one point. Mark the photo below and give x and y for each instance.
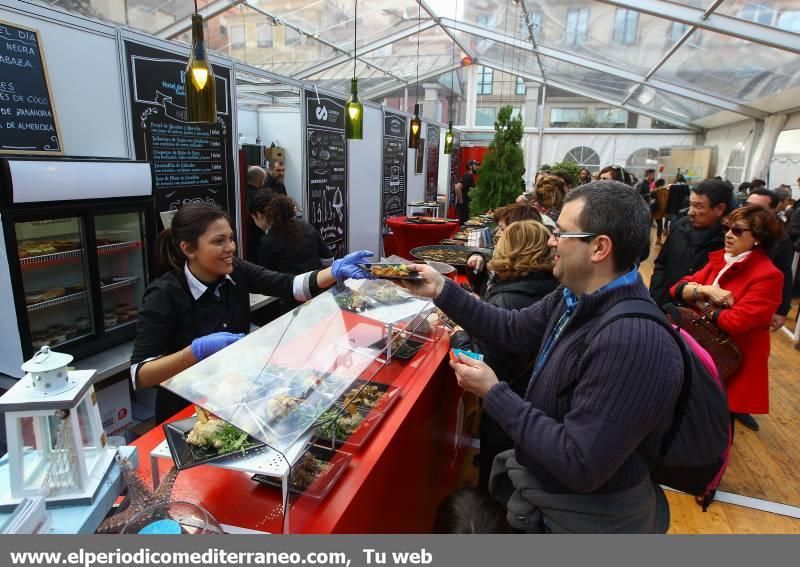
(692, 237)
(275, 175)
(643, 187)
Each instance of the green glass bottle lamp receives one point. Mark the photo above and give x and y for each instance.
(416, 129)
(354, 114)
(449, 138)
(199, 83)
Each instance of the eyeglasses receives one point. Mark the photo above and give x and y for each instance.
(559, 234)
(736, 230)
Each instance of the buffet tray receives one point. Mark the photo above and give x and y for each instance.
(323, 483)
(453, 255)
(187, 455)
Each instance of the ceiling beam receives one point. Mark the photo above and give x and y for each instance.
(378, 93)
(717, 101)
(183, 25)
(315, 36)
(590, 95)
(366, 48)
(719, 23)
(532, 37)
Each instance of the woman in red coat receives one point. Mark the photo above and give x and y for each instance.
(745, 286)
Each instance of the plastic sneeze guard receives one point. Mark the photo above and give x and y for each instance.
(276, 382)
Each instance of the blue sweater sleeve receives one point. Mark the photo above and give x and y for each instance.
(628, 385)
(513, 331)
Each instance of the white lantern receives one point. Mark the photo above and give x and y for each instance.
(56, 444)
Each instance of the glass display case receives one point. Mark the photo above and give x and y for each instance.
(74, 255)
(55, 276)
(308, 385)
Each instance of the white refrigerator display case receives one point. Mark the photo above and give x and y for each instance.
(75, 255)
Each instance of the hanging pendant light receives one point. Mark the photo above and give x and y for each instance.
(354, 110)
(449, 138)
(416, 129)
(416, 123)
(199, 82)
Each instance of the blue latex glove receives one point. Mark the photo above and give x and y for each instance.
(203, 347)
(346, 267)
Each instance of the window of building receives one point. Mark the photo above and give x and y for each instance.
(735, 170)
(577, 26)
(626, 23)
(790, 21)
(237, 36)
(611, 117)
(264, 35)
(758, 13)
(676, 31)
(520, 88)
(566, 117)
(290, 37)
(584, 157)
(485, 20)
(485, 78)
(485, 116)
(641, 160)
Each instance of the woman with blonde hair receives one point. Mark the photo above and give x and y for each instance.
(549, 197)
(523, 274)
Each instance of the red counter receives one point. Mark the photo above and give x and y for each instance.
(408, 236)
(392, 485)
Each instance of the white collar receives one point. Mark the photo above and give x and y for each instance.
(198, 288)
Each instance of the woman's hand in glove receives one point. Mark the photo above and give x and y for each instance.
(203, 347)
(347, 267)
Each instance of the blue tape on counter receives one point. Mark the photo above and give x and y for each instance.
(468, 353)
(162, 527)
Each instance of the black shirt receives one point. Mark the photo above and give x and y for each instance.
(276, 186)
(170, 318)
(677, 197)
(467, 183)
(283, 252)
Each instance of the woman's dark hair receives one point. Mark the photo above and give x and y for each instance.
(282, 217)
(565, 175)
(260, 201)
(470, 511)
(743, 186)
(612, 209)
(188, 225)
(765, 226)
(680, 178)
(618, 173)
(516, 212)
(661, 182)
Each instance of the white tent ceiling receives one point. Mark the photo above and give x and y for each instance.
(699, 63)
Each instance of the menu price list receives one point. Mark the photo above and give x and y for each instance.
(27, 120)
(393, 194)
(185, 155)
(326, 151)
(432, 159)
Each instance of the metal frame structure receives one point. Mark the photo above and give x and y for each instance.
(695, 18)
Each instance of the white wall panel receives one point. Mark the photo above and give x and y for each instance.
(247, 124)
(284, 128)
(85, 83)
(364, 172)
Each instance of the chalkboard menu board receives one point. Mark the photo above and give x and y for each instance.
(455, 165)
(28, 123)
(393, 191)
(326, 160)
(432, 163)
(189, 162)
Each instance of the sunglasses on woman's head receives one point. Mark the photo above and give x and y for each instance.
(736, 230)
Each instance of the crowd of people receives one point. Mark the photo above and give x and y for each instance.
(571, 413)
(561, 442)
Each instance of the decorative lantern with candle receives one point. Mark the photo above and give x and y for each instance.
(56, 444)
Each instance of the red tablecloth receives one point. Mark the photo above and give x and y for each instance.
(410, 235)
(393, 484)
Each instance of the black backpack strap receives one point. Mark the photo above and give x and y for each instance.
(641, 308)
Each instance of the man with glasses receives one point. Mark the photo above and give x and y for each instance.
(692, 238)
(593, 407)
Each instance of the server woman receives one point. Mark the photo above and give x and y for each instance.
(200, 303)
